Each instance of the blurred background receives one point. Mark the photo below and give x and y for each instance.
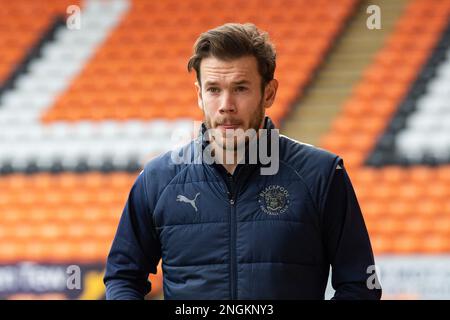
(88, 96)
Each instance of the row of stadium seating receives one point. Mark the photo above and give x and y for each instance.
(79, 144)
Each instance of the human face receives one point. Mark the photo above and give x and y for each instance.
(231, 98)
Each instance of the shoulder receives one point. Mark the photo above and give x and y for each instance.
(161, 170)
(314, 166)
(306, 157)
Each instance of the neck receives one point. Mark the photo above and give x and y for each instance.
(225, 157)
(230, 158)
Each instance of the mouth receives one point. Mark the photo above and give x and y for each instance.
(228, 126)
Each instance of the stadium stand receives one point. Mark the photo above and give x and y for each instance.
(82, 110)
(406, 206)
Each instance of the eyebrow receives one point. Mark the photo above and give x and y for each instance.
(211, 83)
(241, 82)
(215, 83)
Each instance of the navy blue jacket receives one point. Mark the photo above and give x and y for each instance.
(246, 235)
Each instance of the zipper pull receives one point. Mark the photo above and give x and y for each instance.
(230, 198)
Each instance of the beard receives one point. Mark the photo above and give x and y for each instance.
(234, 139)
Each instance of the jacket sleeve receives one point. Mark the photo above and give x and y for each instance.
(135, 251)
(347, 242)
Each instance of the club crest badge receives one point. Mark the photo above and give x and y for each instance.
(274, 200)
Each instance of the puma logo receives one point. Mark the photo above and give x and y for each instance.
(182, 198)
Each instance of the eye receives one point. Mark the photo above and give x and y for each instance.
(241, 88)
(213, 89)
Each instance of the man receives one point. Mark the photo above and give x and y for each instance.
(225, 230)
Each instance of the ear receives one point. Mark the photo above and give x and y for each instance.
(270, 92)
(199, 95)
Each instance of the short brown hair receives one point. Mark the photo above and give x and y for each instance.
(235, 40)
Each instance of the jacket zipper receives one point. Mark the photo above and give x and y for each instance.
(233, 230)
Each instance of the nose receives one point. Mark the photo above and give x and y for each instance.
(227, 103)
